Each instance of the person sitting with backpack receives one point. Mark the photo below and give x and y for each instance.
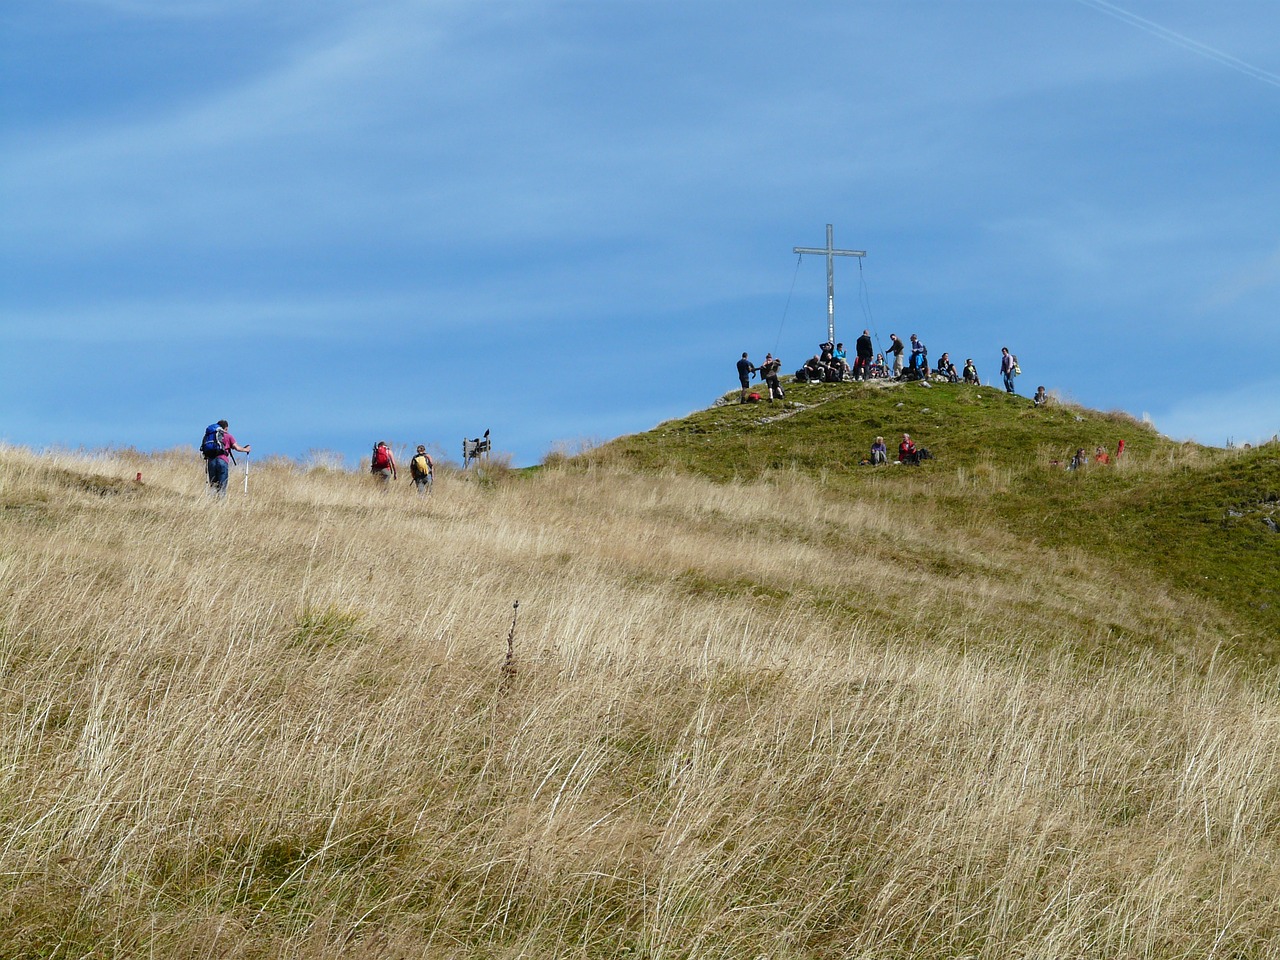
(422, 469)
(907, 450)
(813, 371)
(218, 444)
(381, 462)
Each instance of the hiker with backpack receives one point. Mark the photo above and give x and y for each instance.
(217, 446)
(919, 359)
(381, 462)
(422, 470)
(1008, 368)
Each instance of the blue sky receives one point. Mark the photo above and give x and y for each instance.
(334, 222)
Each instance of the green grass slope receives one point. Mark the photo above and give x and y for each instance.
(1201, 520)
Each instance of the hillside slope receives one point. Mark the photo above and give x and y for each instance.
(726, 719)
(1196, 519)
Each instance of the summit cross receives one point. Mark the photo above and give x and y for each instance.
(831, 253)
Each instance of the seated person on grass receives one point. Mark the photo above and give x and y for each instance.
(879, 452)
(907, 450)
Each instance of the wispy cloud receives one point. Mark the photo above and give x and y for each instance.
(1185, 42)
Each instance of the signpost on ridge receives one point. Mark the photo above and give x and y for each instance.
(830, 252)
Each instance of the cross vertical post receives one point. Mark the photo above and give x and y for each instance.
(830, 252)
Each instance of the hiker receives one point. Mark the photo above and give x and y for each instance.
(745, 369)
(896, 347)
(879, 452)
(217, 446)
(919, 358)
(1008, 363)
(1041, 397)
(907, 450)
(769, 373)
(382, 464)
(1100, 457)
(1119, 449)
(947, 369)
(879, 370)
(971, 373)
(839, 363)
(813, 371)
(1079, 460)
(422, 470)
(866, 352)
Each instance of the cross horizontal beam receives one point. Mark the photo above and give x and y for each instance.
(825, 251)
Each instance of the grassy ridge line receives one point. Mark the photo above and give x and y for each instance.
(1194, 518)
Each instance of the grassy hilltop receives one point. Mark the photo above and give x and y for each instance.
(1198, 519)
(755, 701)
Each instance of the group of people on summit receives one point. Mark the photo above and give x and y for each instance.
(831, 365)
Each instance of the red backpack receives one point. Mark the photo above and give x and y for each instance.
(381, 457)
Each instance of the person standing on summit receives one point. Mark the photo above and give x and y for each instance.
(919, 359)
(745, 369)
(896, 347)
(866, 353)
(1008, 368)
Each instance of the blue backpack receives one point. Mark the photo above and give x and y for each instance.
(214, 442)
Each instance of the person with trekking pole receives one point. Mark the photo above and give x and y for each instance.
(217, 446)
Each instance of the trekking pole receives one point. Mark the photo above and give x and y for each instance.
(246, 474)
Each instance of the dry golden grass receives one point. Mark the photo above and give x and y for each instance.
(745, 720)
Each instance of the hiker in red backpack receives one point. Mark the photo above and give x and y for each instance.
(217, 446)
(382, 463)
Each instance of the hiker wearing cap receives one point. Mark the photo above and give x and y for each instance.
(382, 464)
(217, 447)
(422, 470)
